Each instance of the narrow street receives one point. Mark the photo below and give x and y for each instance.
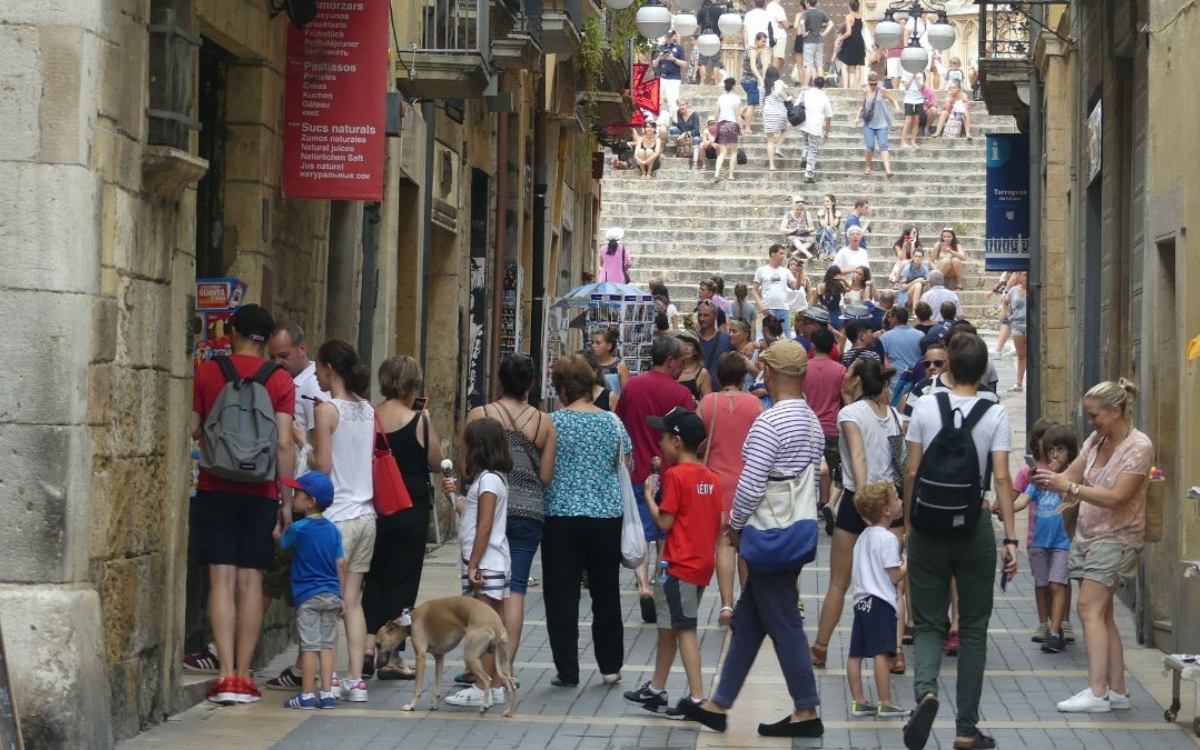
(1020, 689)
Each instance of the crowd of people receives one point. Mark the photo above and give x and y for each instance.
(796, 97)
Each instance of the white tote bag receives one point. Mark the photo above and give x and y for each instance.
(633, 536)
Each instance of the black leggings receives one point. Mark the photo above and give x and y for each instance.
(392, 583)
(571, 545)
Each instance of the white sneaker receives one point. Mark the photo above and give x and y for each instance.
(1119, 702)
(499, 696)
(355, 692)
(611, 679)
(468, 696)
(1084, 702)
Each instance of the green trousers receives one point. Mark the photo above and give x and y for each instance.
(971, 561)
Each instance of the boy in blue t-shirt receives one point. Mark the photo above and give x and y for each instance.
(318, 575)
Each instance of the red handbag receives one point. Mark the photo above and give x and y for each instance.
(391, 495)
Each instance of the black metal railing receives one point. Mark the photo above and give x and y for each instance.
(1007, 31)
(453, 26)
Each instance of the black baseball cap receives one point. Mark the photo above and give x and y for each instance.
(682, 422)
(253, 322)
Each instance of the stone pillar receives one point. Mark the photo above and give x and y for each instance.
(50, 57)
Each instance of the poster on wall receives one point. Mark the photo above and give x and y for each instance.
(334, 107)
(1006, 246)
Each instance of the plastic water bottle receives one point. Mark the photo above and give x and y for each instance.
(662, 572)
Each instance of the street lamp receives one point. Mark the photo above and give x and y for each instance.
(686, 24)
(889, 34)
(729, 22)
(653, 19)
(709, 44)
(618, 4)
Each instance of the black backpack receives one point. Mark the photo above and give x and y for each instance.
(948, 493)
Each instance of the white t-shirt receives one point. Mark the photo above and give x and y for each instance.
(875, 432)
(876, 550)
(727, 107)
(496, 557)
(306, 385)
(773, 286)
(817, 107)
(777, 16)
(847, 259)
(755, 20)
(993, 433)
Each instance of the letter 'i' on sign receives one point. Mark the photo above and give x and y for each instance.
(1006, 245)
(335, 103)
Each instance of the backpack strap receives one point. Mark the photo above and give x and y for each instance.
(976, 414)
(264, 373)
(227, 369)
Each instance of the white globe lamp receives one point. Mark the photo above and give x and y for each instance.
(686, 24)
(653, 20)
(618, 4)
(914, 59)
(888, 32)
(709, 44)
(941, 34)
(729, 22)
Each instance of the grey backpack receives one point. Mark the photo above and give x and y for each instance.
(240, 437)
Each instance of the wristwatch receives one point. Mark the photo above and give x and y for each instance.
(1013, 542)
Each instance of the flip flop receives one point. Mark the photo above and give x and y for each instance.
(819, 654)
(388, 672)
(916, 731)
(725, 616)
(649, 614)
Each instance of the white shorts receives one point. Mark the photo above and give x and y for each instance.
(894, 69)
(781, 46)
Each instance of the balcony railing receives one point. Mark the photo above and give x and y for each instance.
(452, 26)
(1007, 34)
(447, 50)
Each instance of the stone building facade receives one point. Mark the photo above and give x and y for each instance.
(1112, 272)
(102, 236)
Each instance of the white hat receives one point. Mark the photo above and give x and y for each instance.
(797, 198)
(616, 233)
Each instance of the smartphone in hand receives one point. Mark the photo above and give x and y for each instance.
(1029, 461)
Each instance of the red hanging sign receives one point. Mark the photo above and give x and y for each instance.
(645, 93)
(334, 110)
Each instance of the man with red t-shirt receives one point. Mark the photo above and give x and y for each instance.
(823, 392)
(651, 394)
(690, 514)
(232, 522)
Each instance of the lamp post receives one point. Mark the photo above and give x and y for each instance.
(653, 19)
(889, 33)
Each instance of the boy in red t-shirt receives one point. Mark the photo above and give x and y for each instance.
(690, 515)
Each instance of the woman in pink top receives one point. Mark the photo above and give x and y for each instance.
(1108, 481)
(727, 416)
(612, 259)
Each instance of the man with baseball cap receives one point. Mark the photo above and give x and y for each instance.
(232, 522)
(785, 441)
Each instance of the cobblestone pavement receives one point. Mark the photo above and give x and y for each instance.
(1020, 690)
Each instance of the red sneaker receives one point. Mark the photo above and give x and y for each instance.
(246, 691)
(223, 691)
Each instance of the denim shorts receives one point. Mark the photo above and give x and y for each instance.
(751, 87)
(524, 535)
(652, 532)
(876, 139)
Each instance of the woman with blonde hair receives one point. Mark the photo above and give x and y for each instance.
(395, 574)
(1108, 483)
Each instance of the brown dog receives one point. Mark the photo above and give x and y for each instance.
(437, 627)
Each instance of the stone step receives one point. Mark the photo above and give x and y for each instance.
(645, 238)
(724, 264)
(755, 176)
(922, 209)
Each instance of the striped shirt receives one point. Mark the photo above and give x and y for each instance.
(785, 440)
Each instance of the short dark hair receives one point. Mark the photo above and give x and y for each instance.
(923, 311)
(661, 322)
(968, 357)
(731, 369)
(664, 348)
(861, 202)
(774, 249)
(855, 328)
(516, 375)
(729, 84)
(823, 340)
(773, 324)
(949, 311)
(818, 81)
(900, 315)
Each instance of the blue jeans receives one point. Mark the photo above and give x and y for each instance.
(768, 607)
(674, 130)
(524, 535)
(876, 139)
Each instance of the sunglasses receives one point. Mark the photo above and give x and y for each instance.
(936, 362)
(872, 85)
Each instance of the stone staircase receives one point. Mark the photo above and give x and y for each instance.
(683, 227)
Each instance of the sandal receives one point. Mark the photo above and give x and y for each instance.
(819, 654)
(725, 616)
(898, 665)
(388, 672)
(368, 669)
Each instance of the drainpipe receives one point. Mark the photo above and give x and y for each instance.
(1033, 340)
(501, 247)
(538, 272)
(430, 116)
